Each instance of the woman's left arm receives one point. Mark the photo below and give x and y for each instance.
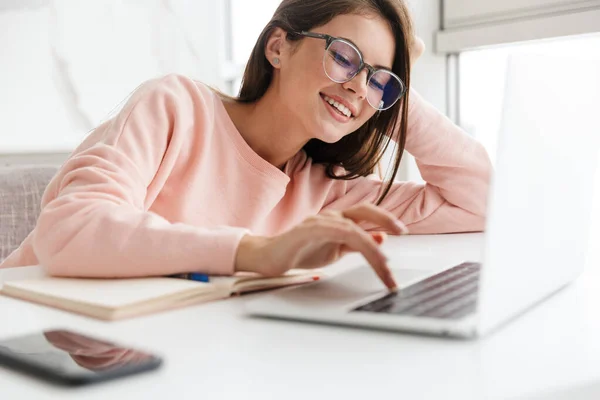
(456, 169)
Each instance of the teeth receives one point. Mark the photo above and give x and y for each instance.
(343, 109)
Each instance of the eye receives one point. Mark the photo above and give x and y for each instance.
(376, 85)
(340, 59)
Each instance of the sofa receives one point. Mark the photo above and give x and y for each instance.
(21, 190)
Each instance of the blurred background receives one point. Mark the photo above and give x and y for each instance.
(65, 65)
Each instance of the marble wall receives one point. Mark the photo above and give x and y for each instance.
(65, 65)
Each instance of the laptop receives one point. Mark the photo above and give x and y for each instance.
(537, 226)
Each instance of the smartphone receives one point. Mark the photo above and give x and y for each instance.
(69, 358)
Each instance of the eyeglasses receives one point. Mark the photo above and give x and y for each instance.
(343, 61)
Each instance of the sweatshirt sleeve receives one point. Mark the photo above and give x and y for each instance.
(95, 220)
(455, 167)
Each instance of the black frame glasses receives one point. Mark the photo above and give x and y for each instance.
(329, 40)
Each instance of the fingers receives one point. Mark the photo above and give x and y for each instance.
(354, 237)
(379, 236)
(363, 241)
(342, 225)
(377, 215)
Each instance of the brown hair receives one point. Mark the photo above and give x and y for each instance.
(360, 151)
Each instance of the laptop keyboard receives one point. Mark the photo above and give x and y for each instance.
(451, 294)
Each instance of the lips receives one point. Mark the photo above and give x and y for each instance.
(347, 105)
(335, 113)
(336, 108)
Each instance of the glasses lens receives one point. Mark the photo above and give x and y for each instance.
(384, 89)
(341, 61)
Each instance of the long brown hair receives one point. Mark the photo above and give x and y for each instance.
(360, 151)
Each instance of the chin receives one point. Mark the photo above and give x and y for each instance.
(331, 135)
(329, 131)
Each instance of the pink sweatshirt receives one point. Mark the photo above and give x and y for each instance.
(169, 185)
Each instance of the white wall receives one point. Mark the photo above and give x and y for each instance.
(66, 64)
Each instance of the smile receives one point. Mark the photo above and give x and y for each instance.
(340, 112)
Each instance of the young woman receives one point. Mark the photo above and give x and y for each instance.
(185, 179)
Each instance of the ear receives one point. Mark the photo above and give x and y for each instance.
(276, 47)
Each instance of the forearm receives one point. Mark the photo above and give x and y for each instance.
(103, 240)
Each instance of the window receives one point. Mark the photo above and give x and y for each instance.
(482, 76)
(481, 92)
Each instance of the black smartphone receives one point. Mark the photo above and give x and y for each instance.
(70, 358)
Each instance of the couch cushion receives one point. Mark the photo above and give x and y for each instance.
(21, 189)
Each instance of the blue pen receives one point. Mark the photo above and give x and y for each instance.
(196, 276)
(193, 276)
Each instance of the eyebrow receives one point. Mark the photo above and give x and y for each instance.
(376, 66)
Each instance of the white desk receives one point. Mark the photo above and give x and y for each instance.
(214, 351)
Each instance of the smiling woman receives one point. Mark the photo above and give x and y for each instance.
(383, 29)
(186, 179)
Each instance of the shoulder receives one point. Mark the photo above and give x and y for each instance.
(174, 93)
(175, 87)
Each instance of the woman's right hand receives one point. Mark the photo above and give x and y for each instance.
(320, 240)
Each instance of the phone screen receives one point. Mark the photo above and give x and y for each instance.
(72, 357)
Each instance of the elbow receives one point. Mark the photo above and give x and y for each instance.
(476, 201)
(481, 208)
(486, 183)
(479, 197)
(48, 260)
(48, 253)
(54, 269)
(474, 219)
(470, 223)
(478, 224)
(469, 220)
(51, 244)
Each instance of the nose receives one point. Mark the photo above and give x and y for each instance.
(358, 84)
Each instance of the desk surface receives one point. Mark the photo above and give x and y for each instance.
(216, 351)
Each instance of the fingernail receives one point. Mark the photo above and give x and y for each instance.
(391, 282)
(393, 287)
(403, 229)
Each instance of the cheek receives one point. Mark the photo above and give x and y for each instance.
(305, 79)
(311, 74)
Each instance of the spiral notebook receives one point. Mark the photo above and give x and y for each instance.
(113, 299)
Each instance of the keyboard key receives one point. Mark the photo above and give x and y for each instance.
(450, 294)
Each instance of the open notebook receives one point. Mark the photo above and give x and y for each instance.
(112, 299)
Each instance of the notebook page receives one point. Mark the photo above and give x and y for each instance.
(247, 282)
(113, 293)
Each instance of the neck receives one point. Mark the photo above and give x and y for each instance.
(271, 130)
